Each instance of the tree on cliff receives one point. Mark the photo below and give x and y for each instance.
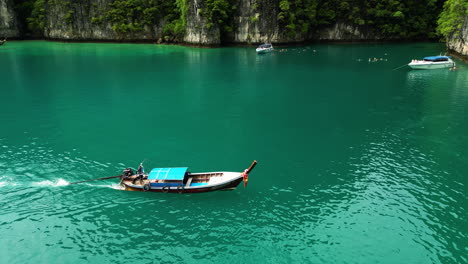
(386, 18)
(452, 17)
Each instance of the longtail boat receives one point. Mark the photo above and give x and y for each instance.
(180, 180)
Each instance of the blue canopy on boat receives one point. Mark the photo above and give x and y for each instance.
(434, 58)
(174, 174)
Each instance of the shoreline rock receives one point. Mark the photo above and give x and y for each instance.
(458, 45)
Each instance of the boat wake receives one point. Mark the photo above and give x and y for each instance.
(114, 186)
(57, 183)
(6, 181)
(61, 182)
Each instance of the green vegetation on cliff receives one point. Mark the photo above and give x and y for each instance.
(452, 17)
(133, 15)
(177, 20)
(123, 16)
(36, 20)
(32, 14)
(297, 16)
(219, 12)
(387, 19)
(126, 16)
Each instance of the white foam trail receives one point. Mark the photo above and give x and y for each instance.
(62, 182)
(59, 182)
(7, 183)
(114, 186)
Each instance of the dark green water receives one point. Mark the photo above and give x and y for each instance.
(357, 163)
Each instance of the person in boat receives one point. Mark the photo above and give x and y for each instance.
(138, 177)
(140, 169)
(140, 172)
(127, 172)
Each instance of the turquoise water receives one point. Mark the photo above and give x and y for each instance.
(358, 163)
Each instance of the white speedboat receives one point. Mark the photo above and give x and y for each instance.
(264, 48)
(433, 62)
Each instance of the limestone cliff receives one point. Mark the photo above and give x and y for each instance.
(83, 20)
(8, 24)
(343, 31)
(196, 22)
(256, 22)
(458, 43)
(197, 30)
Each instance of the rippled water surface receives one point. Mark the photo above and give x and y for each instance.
(358, 163)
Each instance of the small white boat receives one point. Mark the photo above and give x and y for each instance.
(264, 48)
(433, 62)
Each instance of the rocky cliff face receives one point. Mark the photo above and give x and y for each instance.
(251, 22)
(197, 30)
(459, 43)
(255, 23)
(343, 31)
(82, 20)
(8, 24)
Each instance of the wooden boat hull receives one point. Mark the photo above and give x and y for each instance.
(179, 180)
(230, 185)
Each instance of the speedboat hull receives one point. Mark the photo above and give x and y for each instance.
(432, 64)
(263, 51)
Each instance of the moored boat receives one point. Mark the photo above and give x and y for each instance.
(433, 62)
(180, 180)
(264, 48)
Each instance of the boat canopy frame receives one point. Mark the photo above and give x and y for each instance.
(265, 46)
(437, 58)
(168, 174)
